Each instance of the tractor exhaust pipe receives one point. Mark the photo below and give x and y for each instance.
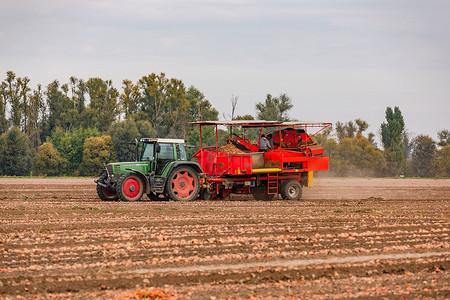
(136, 143)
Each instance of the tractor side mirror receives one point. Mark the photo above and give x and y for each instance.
(158, 148)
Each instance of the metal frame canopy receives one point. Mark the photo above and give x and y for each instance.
(259, 123)
(263, 123)
(242, 123)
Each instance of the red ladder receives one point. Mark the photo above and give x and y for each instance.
(272, 184)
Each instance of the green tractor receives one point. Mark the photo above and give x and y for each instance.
(161, 170)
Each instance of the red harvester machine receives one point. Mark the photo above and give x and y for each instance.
(282, 170)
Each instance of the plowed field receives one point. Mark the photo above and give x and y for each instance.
(346, 238)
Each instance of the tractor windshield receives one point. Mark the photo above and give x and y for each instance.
(147, 152)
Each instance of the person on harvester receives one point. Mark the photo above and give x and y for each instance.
(269, 138)
(264, 144)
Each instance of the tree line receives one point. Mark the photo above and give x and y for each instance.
(352, 152)
(72, 129)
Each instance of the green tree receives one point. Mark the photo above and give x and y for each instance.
(208, 138)
(3, 99)
(392, 133)
(75, 92)
(350, 129)
(124, 132)
(244, 118)
(444, 138)
(340, 130)
(25, 103)
(79, 90)
(164, 103)
(323, 136)
(88, 118)
(97, 151)
(423, 154)
(103, 103)
(48, 161)
(153, 102)
(36, 117)
(362, 125)
(176, 115)
(70, 145)
(58, 105)
(15, 153)
(200, 109)
(274, 108)
(354, 157)
(11, 89)
(442, 162)
(145, 129)
(129, 99)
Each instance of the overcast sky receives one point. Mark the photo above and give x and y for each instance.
(337, 60)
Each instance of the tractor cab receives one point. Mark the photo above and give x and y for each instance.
(161, 152)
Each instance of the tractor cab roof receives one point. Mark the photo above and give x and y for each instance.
(158, 140)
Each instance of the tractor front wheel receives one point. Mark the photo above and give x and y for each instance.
(130, 187)
(104, 193)
(291, 190)
(183, 184)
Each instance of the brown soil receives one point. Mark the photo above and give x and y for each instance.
(380, 238)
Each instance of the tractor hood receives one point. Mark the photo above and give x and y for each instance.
(128, 167)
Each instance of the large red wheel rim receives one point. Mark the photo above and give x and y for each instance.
(108, 193)
(184, 184)
(131, 188)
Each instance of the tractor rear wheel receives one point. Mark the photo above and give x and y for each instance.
(183, 184)
(104, 193)
(260, 193)
(291, 190)
(130, 187)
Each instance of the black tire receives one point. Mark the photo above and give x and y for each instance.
(183, 184)
(157, 197)
(260, 193)
(291, 190)
(130, 187)
(104, 193)
(205, 194)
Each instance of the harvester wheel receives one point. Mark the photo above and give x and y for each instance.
(260, 193)
(205, 194)
(183, 184)
(291, 190)
(130, 187)
(104, 193)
